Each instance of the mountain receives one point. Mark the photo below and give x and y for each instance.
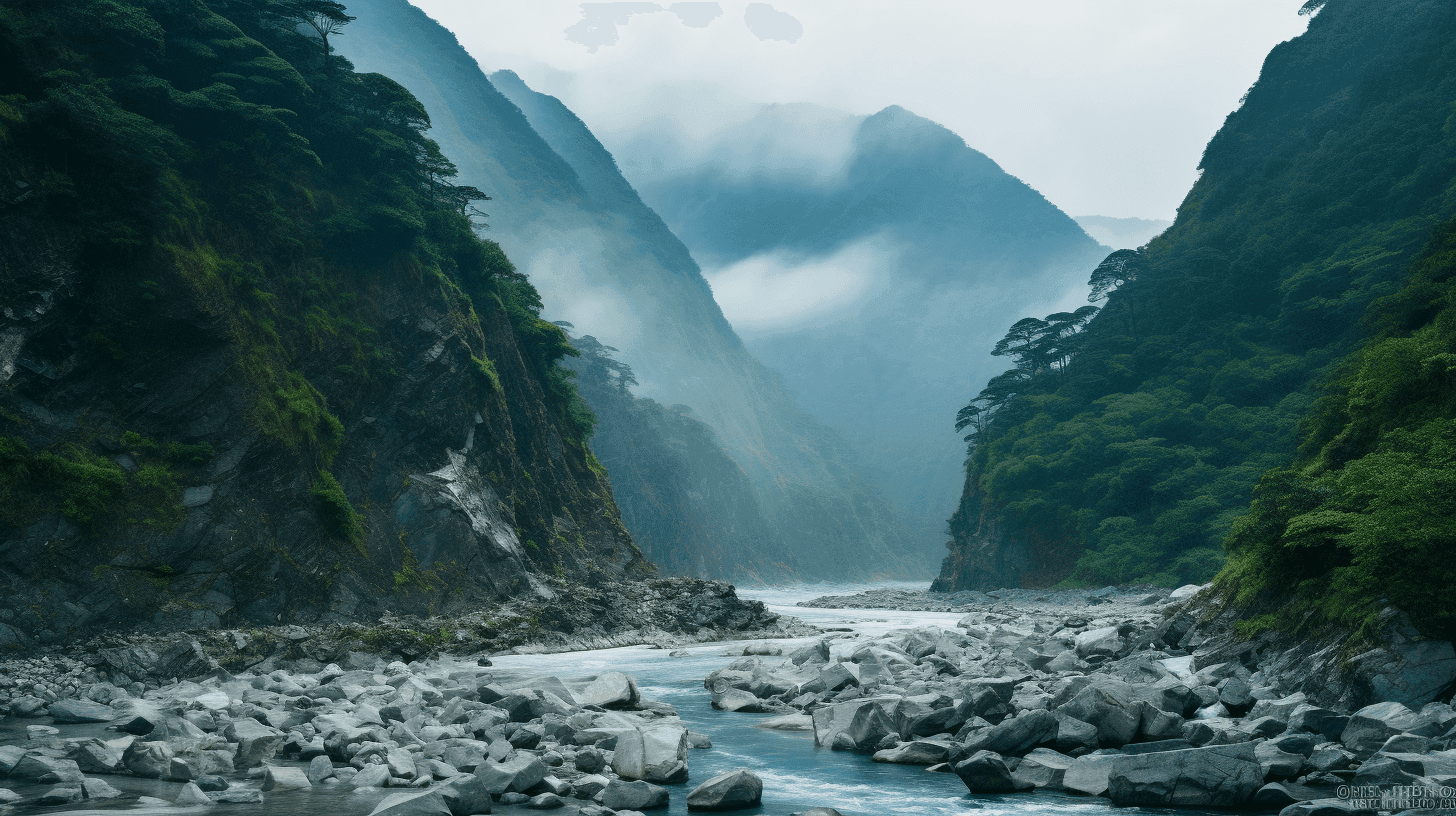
(1121, 233)
(605, 263)
(257, 365)
(1221, 339)
(914, 245)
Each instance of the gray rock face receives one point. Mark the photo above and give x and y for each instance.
(635, 795)
(1042, 769)
(734, 790)
(986, 772)
(1371, 726)
(1111, 706)
(1088, 774)
(1218, 776)
(657, 753)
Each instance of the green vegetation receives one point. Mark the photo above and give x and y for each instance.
(216, 160)
(1368, 513)
(1134, 459)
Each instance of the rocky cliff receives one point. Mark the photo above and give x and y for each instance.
(254, 365)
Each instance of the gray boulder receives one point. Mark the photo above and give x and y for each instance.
(1105, 642)
(1110, 705)
(514, 775)
(92, 755)
(635, 795)
(1042, 768)
(657, 753)
(1017, 735)
(257, 743)
(612, 689)
(1088, 774)
(986, 772)
(1074, 737)
(545, 801)
(81, 711)
(1277, 763)
(413, 803)
(373, 776)
(739, 700)
(916, 752)
(869, 726)
(1219, 776)
(466, 795)
(1315, 720)
(1371, 726)
(276, 777)
(735, 790)
(152, 760)
(319, 769)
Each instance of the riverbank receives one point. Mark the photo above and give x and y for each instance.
(900, 690)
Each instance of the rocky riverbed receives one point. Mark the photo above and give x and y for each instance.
(1128, 696)
(1143, 697)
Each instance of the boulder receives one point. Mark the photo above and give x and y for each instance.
(319, 769)
(257, 743)
(61, 795)
(734, 790)
(916, 752)
(1105, 642)
(1183, 593)
(1074, 737)
(589, 760)
(191, 796)
(612, 689)
(656, 753)
(373, 776)
(152, 760)
(1277, 763)
(514, 775)
(466, 795)
(92, 755)
(1042, 768)
(81, 711)
(869, 726)
(1278, 795)
(1219, 776)
(237, 796)
(836, 676)
(1017, 735)
(276, 777)
(545, 801)
(1088, 774)
(1111, 706)
(817, 652)
(413, 803)
(986, 772)
(739, 700)
(1371, 726)
(635, 795)
(1315, 720)
(1439, 764)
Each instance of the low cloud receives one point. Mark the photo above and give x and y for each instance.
(780, 291)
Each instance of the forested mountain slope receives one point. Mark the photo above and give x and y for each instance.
(1126, 451)
(606, 263)
(255, 365)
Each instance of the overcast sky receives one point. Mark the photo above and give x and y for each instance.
(1102, 105)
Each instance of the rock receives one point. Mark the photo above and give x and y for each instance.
(92, 755)
(818, 811)
(1371, 726)
(1282, 794)
(612, 690)
(1088, 774)
(1437, 764)
(284, 778)
(257, 743)
(545, 801)
(1276, 763)
(60, 795)
(81, 711)
(1322, 807)
(1111, 706)
(1381, 770)
(211, 783)
(514, 775)
(589, 760)
(1219, 776)
(319, 769)
(917, 752)
(374, 776)
(788, 722)
(1074, 737)
(1042, 768)
(657, 753)
(1183, 593)
(837, 676)
(734, 790)
(466, 795)
(1015, 736)
(985, 772)
(739, 700)
(1065, 662)
(413, 803)
(9, 797)
(636, 795)
(47, 769)
(152, 760)
(1316, 720)
(870, 725)
(1105, 642)
(191, 795)
(817, 652)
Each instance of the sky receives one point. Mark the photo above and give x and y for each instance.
(1104, 106)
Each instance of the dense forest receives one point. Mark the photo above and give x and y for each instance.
(255, 353)
(1126, 445)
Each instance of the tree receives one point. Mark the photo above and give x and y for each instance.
(325, 17)
(1116, 269)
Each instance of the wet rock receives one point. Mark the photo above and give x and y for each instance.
(734, 790)
(60, 795)
(191, 795)
(99, 789)
(285, 778)
(1220, 776)
(414, 803)
(237, 796)
(634, 795)
(81, 711)
(985, 772)
(917, 752)
(545, 801)
(1042, 768)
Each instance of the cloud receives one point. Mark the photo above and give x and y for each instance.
(768, 23)
(696, 15)
(571, 291)
(778, 291)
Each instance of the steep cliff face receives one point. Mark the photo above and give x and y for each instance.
(606, 263)
(1135, 461)
(254, 366)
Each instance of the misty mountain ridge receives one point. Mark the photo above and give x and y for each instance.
(606, 263)
(876, 278)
